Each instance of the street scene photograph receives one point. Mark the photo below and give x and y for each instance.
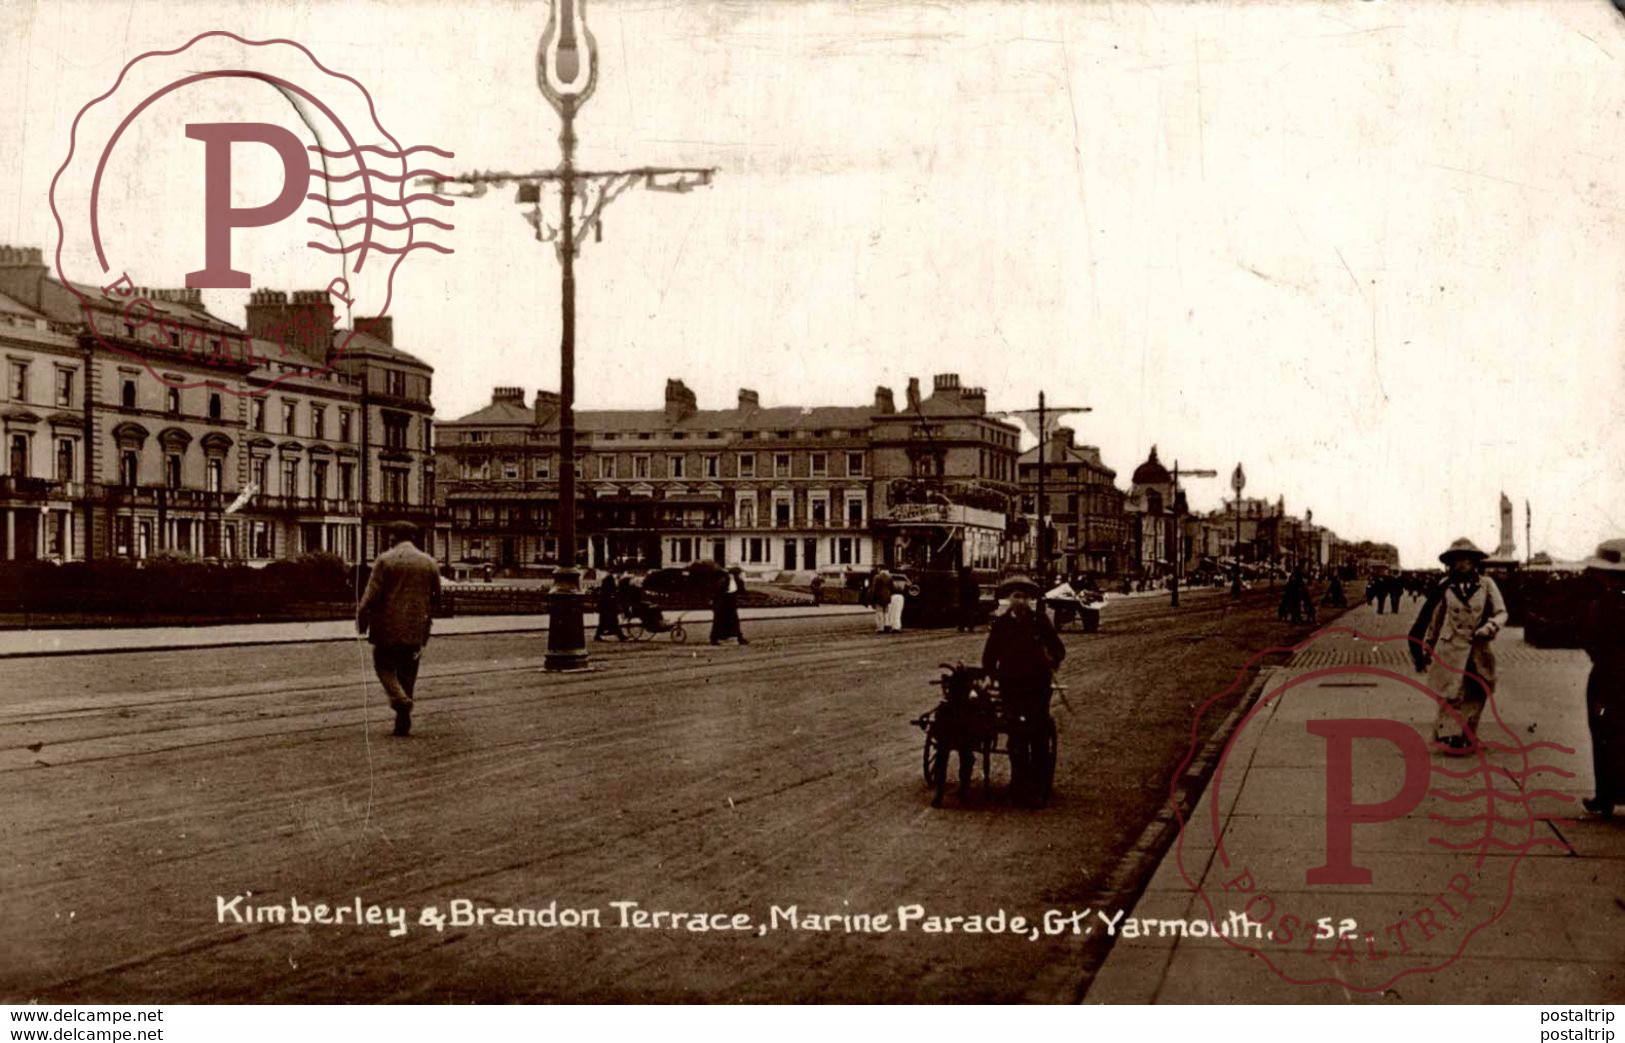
(818, 503)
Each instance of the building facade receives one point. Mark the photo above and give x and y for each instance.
(1086, 511)
(240, 448)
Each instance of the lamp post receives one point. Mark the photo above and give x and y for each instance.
(567, 73)
(1179, 557)
(1238, 482)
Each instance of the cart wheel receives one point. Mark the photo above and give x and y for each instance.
(678, 634)
(1044, 770)
(634, 631)
(930, 752)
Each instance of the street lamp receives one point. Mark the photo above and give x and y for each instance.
(1238, 482)
(566, 74)
(1179, 557)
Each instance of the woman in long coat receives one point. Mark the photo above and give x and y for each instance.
(1459, 622)
(725, 607)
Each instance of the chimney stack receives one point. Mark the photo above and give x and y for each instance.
(975, 398)
(749, 401)
(680, 402)
(913, 394)
(943, 382)
(884, 403)
(22, 274)
(381, 327)
(547, 407)
(512, 396)
(1060, 441)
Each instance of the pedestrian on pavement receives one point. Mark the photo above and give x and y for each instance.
(725, 607)
(1022, 653)
(1396, 588)
(402, 594)
(1334, 594)
(817, 588)
(880, 599)
(609, 609)
(1603, 638)
(970, 600)
(1458, 623)
(894, 611)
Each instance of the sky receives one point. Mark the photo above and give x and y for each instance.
(1373, 251)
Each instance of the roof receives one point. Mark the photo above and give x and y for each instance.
(497, 413)
(1152, 472)
(12, 306)
(1089, 456)
(367, 344)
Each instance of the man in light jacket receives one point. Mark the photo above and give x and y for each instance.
(394, 613)
(880, 591)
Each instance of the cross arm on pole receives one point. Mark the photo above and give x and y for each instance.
(596, 188)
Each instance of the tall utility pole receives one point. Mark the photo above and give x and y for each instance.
(1044, 413)
(1179, 557)
(1238, 482)
(1528, 543)
(567, 72)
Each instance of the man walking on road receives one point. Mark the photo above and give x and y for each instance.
(1022, 652)
(394, 614)
(880, 587)
(1604, 641)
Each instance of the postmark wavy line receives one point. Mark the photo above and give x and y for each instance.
(364, 172)
(380, 223)
(386, 153)
(1496, 769)
(1495, 794)
(1468, 845)
(372, 197)
(324, 248)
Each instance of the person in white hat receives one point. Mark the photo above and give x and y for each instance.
(1603, 637)
(1458, 623)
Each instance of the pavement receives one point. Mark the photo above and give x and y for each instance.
(91, 640)
(1546, 916)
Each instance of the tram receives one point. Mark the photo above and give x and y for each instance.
(928, 543)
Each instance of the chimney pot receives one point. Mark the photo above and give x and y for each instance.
(884, 403)
(913, 393)
(748, 400)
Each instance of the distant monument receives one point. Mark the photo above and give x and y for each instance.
(1507, 551)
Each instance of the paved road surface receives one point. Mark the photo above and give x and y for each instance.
(140, 788)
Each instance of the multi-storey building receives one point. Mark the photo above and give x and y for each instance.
(774, 488)
(210, 460)
(1085, 508)
(42, 425)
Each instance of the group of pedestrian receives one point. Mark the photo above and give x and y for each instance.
(1297, 603)
(618, 597)
(885, 593)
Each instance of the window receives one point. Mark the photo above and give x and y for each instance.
(172, 401)
(257, 471)
(64, 459)
(747, 465)
(129, 468)
(755, 550)
(820, 465)
(781, 465)
(287, 417)
(395, 383)
(474, 436)
(64, 387)
(172, 470)
(318, 479)
(318, 422)
(818, 509)
(19, 456)
(228, 545)
(745, 510)
(258, 417)
(344, 425)
(290, 478)
(674, 467)
(854, 510)
(127, 393)
(543, 469)
(606, 466)
(640, 465)
(781, 511)
(394, 485)
(426, 429)
(346, 481)
(19, 381)
(216, 472)
(854, 464)
(845, 546)
(261, 544)
(395, 430)
(510, 469)
(713, 466)
(214, 405)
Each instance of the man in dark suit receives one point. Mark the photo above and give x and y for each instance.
(394, 613)
(1022, 653)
